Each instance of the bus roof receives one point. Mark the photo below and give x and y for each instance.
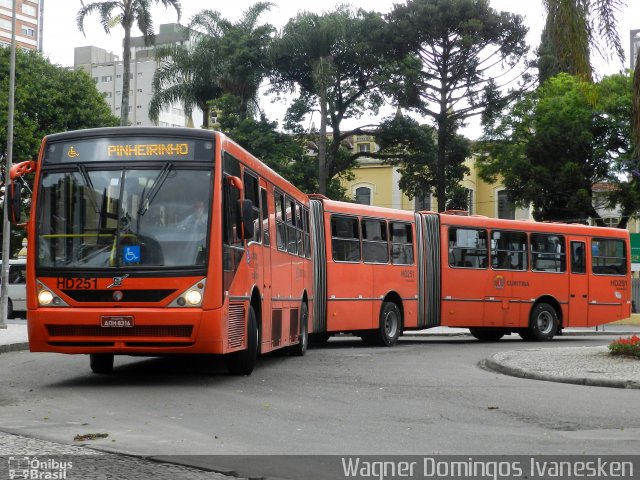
(131, 131)
(335, 206)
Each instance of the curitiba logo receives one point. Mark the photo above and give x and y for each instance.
(498, 282)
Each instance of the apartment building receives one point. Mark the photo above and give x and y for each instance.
(28, 23)
(634, 46)
(106, 69)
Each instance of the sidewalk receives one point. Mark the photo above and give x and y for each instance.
(592, 366)
(14, 337)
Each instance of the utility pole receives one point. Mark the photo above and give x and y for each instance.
(6, 227)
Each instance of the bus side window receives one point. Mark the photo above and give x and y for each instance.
(578, 260)
(401, 243)
(281, 228)
(548, 253)
(375, 248)
(468, 248)
(508, 250)
(608, 256)
(265, 218)
(345, 239)
(292, 242)
(251, 193)
(307, 240)
(299, 230)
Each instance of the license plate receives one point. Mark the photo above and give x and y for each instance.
(117, 322)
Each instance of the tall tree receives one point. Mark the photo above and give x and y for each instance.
(185, 75)
(556, 144)
(337, 62)
(412, 147)
(459, 46)
(238, 52)
(125, 13)
(572, 29)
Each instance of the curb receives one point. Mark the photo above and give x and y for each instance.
(14, 347)
(492, 365)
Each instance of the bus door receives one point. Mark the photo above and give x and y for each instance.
(267, 226)
(578, 283)
(281, 258)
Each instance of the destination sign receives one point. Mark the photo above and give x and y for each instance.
(128, 148)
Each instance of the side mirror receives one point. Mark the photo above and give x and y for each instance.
(13, 196)
(245, 223)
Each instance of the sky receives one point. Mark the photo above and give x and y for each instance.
(61, 34)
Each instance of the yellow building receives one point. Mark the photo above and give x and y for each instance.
(377, 183)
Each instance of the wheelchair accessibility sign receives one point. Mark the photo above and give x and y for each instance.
(131, 254)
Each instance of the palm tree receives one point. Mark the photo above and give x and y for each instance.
(127, 12)
(572, 29)
(239, 51)
(187, 76)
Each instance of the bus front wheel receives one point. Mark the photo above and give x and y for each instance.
(243, 362)
(543, 324)
(390, 325)
(101, 363)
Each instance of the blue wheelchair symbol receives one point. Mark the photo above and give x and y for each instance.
(131, 254)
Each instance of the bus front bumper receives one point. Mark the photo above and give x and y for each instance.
(126, 331)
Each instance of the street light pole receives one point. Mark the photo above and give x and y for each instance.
(6, 227)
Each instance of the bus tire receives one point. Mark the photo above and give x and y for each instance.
(390, 325)
(101, 363)
(9, 308)
(487, 334)
(300, 349)
(543, 324)
(243, 362)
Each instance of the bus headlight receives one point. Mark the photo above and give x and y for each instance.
(193, 297)
(45, 297)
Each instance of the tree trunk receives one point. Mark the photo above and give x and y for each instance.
(323, 171)
(126, 74)
(441, 166)
(635, 121)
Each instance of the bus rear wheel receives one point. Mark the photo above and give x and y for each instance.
(487, 334)
(243, 362)
(300, 349)
(543, 324)
(101, 363)
(390, 325)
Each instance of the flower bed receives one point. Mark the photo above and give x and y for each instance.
(626, 346)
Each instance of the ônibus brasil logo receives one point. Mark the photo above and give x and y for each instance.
(27, 468)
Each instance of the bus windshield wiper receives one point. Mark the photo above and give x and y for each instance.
(87, 180)
(153, 191)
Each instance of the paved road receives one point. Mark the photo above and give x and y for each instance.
(425, 396)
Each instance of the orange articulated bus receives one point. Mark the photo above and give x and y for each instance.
(365, 271)
(501, 276)
(380, 271)
(153, 241)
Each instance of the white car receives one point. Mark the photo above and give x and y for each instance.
(17, 291)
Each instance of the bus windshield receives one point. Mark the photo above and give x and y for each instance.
(151, 216)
